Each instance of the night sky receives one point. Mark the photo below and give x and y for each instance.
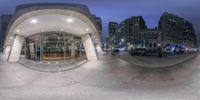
(118, 10)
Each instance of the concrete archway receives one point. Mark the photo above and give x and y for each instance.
(50, 17)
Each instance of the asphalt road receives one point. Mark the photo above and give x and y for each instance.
(154, 61)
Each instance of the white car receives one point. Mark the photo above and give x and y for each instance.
(169, 49)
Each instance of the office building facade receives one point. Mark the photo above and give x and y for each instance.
(99, 23)
(129, 29)
(112, 34)
(151, 35)
(172, 29)
(177, 30)
(5, 20)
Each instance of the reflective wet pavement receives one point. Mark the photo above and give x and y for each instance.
(111, 78)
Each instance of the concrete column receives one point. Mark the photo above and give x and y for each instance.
(64, 46)
(73, 48)
(14, 54)
(41, 47)
(25, 49)
(6, 51)
(89, 47)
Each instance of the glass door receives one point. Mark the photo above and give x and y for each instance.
(53, 44)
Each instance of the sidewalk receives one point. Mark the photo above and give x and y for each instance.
(53, 66)
(108, 79)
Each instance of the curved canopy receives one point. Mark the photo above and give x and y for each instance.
(41, 20)
(52, 22)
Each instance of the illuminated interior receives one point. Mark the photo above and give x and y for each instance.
(52, 46)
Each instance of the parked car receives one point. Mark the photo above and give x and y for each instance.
(143, 48)
(177, 49)
(183, 50)
(115, 50)
(138, 48)
(193, 50)
(169, 49)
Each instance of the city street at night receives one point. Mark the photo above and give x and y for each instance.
(109, 78)
(99, 50)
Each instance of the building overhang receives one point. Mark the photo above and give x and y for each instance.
(35, 19)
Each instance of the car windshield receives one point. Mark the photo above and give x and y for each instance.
(140, 44)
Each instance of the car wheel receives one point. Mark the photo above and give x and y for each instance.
(132, 53)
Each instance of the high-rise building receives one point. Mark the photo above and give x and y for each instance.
(189, 36)
(5, 20)
(171, 26)
(129, 29)
(99, 23)
(112, 33)
(151, 35)
(177, 30)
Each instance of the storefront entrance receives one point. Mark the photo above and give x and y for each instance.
(53, 46)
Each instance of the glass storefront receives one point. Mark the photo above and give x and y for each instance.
(53, 46)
